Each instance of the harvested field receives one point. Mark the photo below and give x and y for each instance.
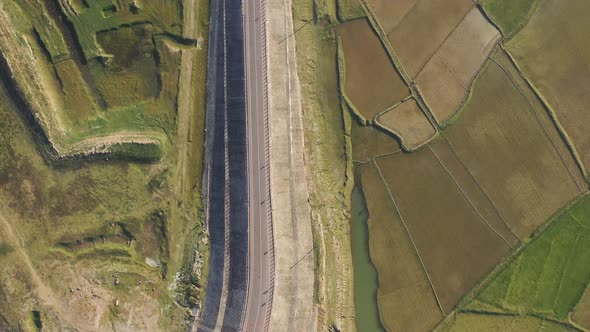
(370, 142)
(501, 139)
(448, 75)
(372, 82)
(414, 41)
(467, 322)
(548, 277)
(406, 300)
(456, 245)
(554, 52)
(409, 123)
(441, 89)
(581, 313)
(391, 13)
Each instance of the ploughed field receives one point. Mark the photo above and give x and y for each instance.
(102, 111)
(462, 175)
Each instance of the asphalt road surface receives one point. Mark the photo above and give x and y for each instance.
(259, 295)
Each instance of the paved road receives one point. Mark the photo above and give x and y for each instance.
(260, 282)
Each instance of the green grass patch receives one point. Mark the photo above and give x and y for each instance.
(548, 277)
(509, 15)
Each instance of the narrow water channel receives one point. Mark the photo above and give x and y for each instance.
(365, 275)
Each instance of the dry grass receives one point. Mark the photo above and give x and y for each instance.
(409, 123)
(501, 141)
(372, 83)
(553, 51)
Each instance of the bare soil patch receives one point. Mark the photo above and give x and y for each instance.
(372, 82)
(409, 123)
(424, 29)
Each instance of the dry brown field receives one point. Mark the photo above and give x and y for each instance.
(454, 242)
(501, 140)
(441, 89)
(391, 13)
(581, 314)
(554, 52)
(448, 75)
(372, 83)
(405, 298)
(469, 185)
(409, 123)
(423, 30)
(370, 141)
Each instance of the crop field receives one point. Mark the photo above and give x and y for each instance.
(553, 52)
(372, 82)
(463, 237)
(405, 298)
(101, 243)
(465, 322)
(407, 121)
(549, 275)
(416, 42)
(454, 65)
(501, 138)
(371, 142)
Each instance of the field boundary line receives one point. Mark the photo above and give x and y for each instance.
(493, 273)
(480, 186)
(564, 271)
(538, 118)
(444, 41)
(467, 197)
(552, 113)
(377, 156)
(438, 302)
(376, 26)
(341, 64)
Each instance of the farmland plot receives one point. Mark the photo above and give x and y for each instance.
(405, 298)
(549, 275)
(447, 77)
(372, 82)
(501, 139)
(456, 245)
(553, 50)
(370, 142)
(467, 322)
(409, 123)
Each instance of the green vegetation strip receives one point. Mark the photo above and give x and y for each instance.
(509, 15)
(549, 275)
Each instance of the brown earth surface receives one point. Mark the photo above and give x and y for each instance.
(405, 297)
(409, 123)
(372, 82)
(414, 41)
(456, 244)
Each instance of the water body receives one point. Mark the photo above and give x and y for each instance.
(366, 282)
